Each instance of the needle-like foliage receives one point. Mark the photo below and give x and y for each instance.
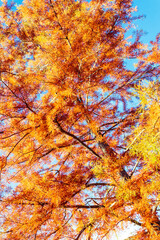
(79, 133)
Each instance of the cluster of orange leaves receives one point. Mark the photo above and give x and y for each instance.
(80, 154)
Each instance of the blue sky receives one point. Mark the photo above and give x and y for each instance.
(151, 23)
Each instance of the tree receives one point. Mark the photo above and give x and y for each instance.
(79, 130)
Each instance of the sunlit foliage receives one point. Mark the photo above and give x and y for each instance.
(79, 133)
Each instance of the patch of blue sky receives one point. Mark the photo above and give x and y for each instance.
(150, 24)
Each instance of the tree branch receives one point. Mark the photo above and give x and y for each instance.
(135, 222)
(61, 28)
(98, 184)
(76, 138)
(82, 230)
(16, 144)
(83, 206)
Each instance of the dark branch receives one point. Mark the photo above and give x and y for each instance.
(135, 222)
(82, 230)
(76, 138)
(16, 144)
(98, 184)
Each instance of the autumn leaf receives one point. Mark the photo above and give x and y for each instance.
(79, 133)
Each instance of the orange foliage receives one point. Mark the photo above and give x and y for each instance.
(79, 153)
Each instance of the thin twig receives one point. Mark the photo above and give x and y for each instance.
(134, 139)
(123, 85)
(61, 28)
(134, 168)
(60, 227)
(16, 144)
